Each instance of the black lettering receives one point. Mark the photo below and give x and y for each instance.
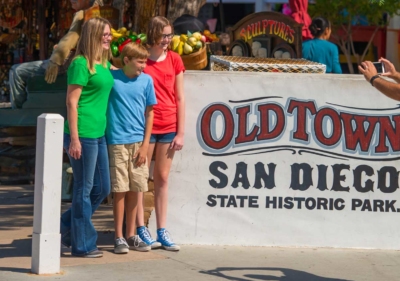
(339, 204)
(222, 197)
(223, 179)
(288, 203)
(338, 178)
(242, 199)
(253, 202)
(211, 200)
(269, 179)
(322, 177)
(307, 178)
(393, 179)
(369, 184)
(390, 205)
(378, 204)
(299, 200)
(366, 206)
(269, 202)
(355, 203)
(312, 205)
(231, 202)
(241, 176)
(322, 203)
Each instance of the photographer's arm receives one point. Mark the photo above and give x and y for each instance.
(389, 89)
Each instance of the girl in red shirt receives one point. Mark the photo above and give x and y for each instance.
(166, 68)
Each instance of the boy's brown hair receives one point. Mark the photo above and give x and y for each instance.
(134, 51)
(155, 29)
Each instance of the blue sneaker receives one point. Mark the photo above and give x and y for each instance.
(165, 239)
(145, 235)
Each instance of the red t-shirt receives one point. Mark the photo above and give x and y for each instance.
(163, 74)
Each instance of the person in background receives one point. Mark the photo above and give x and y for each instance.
(129, 124)
(388, 88)
(166, 68)
(320, 49)
(89, 86)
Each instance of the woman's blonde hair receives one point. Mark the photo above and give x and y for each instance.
(134, 51)
(155, 29)
(90, 44)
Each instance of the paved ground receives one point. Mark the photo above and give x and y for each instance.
(191, 263)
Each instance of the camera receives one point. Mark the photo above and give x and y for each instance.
(380, 68)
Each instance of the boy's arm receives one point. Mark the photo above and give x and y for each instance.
(142, 152)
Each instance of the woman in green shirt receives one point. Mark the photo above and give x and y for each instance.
(89, 86)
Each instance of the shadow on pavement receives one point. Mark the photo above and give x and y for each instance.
(265, 273)
(16, 270)
(18, 248)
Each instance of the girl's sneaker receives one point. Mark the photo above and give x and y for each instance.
(135, 243)
(120, 246)
(165, 239)
(145, 235)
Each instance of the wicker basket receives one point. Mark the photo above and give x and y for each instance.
(231, 63)
(195, 61)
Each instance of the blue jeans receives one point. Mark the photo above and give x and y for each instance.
(91, 186)
(164, 138)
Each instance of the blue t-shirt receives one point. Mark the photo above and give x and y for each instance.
(324, 52)
(127, 107)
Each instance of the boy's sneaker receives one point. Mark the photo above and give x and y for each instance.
(145, 235)
(120, 246)
(135, 243)
(165, 239)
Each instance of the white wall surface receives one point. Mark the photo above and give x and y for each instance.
(192, 221)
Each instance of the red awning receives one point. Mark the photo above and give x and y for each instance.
(300, 14)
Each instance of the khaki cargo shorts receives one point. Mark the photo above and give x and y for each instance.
(125, 175)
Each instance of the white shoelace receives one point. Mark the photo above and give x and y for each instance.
(166, 236)
(147, 235)
(121, 241)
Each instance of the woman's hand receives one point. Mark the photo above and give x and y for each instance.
(177, 143)
(75, 149)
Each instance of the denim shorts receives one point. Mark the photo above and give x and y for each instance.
(164, 138)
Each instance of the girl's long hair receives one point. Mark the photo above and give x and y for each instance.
(155, 29)
(90, 44)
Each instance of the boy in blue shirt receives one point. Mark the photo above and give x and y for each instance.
(129, 124)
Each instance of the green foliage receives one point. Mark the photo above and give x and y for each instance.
(343, 14)
(345, 11)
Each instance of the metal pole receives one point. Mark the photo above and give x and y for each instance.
(221, 16)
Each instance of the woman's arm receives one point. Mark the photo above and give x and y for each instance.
(73, 94)
(177, 143)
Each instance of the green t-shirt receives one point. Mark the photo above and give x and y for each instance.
(92, 104)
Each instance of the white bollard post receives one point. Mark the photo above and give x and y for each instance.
(46, 247)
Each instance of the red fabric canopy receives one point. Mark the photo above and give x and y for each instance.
(299, 14)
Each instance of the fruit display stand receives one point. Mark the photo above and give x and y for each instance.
(195, 61)
(231, 63)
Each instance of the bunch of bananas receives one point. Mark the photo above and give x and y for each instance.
(186, 44)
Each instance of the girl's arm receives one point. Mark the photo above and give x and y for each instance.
(177, 143)
(73, 94)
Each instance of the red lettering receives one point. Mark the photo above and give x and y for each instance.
(249, 32)
(319, 125)
(277, 28)
(386, 131)
(282, 30)
(286, 33)
(265, 24)
(301, 119)
(266, 133)
(271, 25)
(358, 136)
(206, 126)
(242, 136)
(291, 40)
(243, 34)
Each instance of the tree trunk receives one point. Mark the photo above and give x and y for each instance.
(176, 8)
(146, 9)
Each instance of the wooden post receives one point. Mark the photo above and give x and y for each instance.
(41, 21)
(46, 247)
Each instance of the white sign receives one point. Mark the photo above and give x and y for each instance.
(286, 160)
